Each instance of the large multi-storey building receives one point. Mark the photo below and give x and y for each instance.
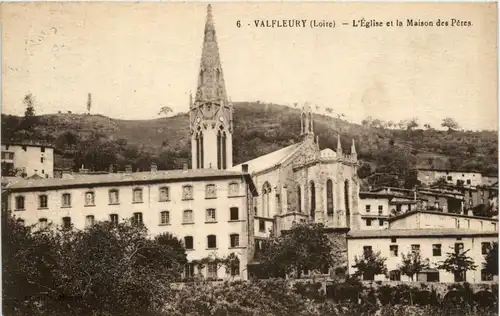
(28, 158)
(210, 210)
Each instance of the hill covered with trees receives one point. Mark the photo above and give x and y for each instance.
(385, 148)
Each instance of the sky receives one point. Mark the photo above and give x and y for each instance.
(135, 58)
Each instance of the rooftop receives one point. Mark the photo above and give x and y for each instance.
(393, 218)
(273, 159)
(424, 232)
(87, 180)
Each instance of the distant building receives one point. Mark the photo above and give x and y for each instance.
(376, 208)
(431, 199)
(481, 195)
(430, 176)
(490, 179)
(432, 243)
(431, 233)
(28, 158)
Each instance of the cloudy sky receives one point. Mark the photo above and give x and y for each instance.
(137, 57)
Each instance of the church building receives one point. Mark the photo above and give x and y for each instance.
(298, 183)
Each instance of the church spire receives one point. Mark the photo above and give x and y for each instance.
(353, 150)
(210, 113)
(339, 146)
(211, 86)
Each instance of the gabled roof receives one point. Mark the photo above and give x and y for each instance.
(273, 159)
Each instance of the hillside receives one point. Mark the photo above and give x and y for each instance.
(97, 141)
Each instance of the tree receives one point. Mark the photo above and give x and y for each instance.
(369, 265)
(450, 123)
(412, 264)
(165, 110)
(491, 259)
(89, 102)
(106, 269)
(29, 102)
(412, 124)
(29, 114)
(458, 263)
(329, 111)
(303, 247)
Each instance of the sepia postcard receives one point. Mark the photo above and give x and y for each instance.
(249, 158)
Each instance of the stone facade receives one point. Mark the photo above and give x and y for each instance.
(301, 183)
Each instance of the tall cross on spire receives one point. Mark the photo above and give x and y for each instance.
(211, 86)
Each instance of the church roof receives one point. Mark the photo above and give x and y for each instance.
(328, 153)
(272, 159)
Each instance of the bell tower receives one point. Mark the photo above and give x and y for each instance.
(211, 114)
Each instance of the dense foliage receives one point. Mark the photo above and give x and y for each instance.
(491, 259)
(388, 151)
(106, 269)
(303, 247)
(118, 270)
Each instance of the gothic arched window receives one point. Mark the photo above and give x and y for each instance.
(299, 199)
(221, 149)
(313, 200)
(329, 197)
(199, 149)
(346, 201)
(309, 123)
(217, 75)
(266, 193)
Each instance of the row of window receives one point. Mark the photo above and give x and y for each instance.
(137, 196)
(380, 209)
(164, 217)
(24, 147)
(137, 219)
(369, 222)
(436, 249)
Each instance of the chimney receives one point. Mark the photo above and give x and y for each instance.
(185, 166)
(128, 169)
(154, 167)
(244, 168)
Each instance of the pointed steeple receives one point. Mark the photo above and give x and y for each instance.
(339, 146)
(211, 86)
(354, 155)
(306, 120)
(211, 115)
